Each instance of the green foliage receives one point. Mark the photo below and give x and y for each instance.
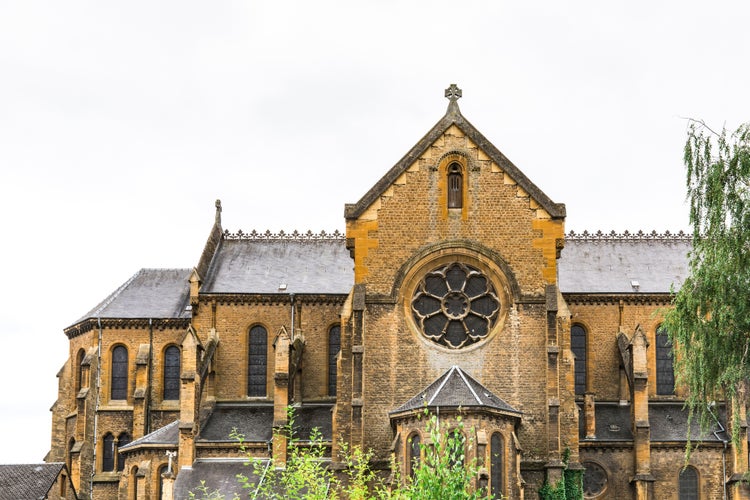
(556, 492)
(710, 322)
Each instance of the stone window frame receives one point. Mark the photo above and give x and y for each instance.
(443, 169)
(578, 362)
(121, 371)
(260, 378)
(665, 385)
(108, 452)
(693, 486)
(332, 373)
(78, 370)
(411, 464)
(455, 186)
(170, 393)
(122, 439)
(501, 490)
(607, 475)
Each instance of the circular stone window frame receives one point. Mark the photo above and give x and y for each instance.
(605, 487)
(494, 274)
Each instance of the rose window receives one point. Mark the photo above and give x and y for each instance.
(455, 305)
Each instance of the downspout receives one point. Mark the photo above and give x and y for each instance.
(723, 452)
(291, 300)
(149, 376)
(96, 407)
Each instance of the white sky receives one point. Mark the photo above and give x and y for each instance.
(122, 122)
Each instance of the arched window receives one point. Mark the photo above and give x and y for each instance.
(415, 453)
(133, 484)
(497, 475)
(172, 373)
(257, 362)
(455, 448)
(664, 363)
(162, 470)
(79, 369)
(108, 453)
(122, 440)
(119, 386)
(334, 345)
(455, 186)
(578, 346)
(688, 484)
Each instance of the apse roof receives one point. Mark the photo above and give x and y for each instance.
(624, 263)
(149, 293)
(314, 264)
(455, 388)
(167, 435)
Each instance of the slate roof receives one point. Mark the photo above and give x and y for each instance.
(218, 474)
(28, 481)
(255, 422)
(668, 422)
(610, 265)
(167, 435)
(455, 388)
(149, 293)
(261, 265)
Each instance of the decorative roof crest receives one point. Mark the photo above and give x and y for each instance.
(284, 236)
(628, 236)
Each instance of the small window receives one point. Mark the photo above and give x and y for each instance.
(162, 470)
(108, 453)
(415, 453)
(688, 484)
(119, 389)
(122, 440)
(497, 474)
(664, 364)
(172, 373)
(79, 370)
(578, 346)
(454, 446)
(257, 362)
(455, 186)
(334, 346)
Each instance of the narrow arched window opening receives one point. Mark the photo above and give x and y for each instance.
(334, 345)
(578, 346)
(119, 389)
(122, 440)
(415, 454)
(497, 474)
(688, 484)
(257, 362)
(664, 363)
(172, 373)
(455, 186)
(108, 453)
(79, 370)
(454, 446)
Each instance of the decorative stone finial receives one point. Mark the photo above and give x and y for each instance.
(453, 93)
(218, 211)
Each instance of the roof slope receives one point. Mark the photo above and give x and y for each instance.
(610, 264)
(453, 116)
(167, 436)
(455, 388)
(306, 264)
(27, 481)
(149, 293)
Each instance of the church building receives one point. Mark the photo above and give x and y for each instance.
(455, 289)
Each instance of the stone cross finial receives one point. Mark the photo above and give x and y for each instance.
(170, 455)
(453, 92)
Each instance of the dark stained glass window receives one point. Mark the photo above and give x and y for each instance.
(688, 484)
(334, 345)
(79, 370)
(119, 389)
(455, 186)
(497, 476)
(257, 362)
(172, 373)
(122, 440)
(578, 346)
(455, 305)
(108, 453)
(664, 363)
(594, 479)
(415, 451)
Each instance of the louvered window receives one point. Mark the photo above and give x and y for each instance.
(578, 346)
(664, 364)
(455, 186)
(119, 373)
(172, 373)
(257, 362)
(334, 345)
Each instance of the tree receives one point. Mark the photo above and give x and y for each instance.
(709, 324)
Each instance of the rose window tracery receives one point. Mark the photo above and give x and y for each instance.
(455, 305)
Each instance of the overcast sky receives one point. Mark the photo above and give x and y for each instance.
(122, 122)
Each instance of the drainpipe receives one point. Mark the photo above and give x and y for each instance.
(723, 452)
(149, 376)
(291, 300)
(96, 407)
